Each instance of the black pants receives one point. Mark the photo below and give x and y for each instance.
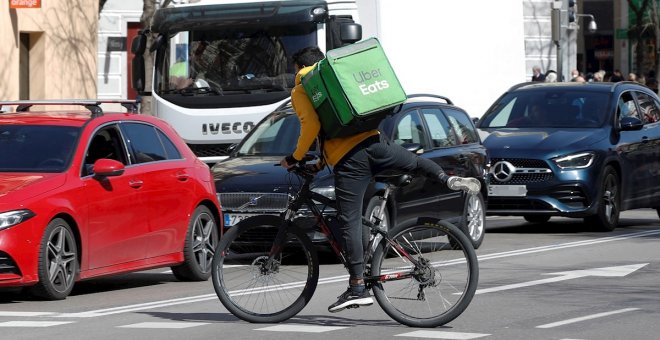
(352, 176)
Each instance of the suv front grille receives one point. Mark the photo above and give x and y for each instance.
(253, 201)
(534, 171)
(7, 265)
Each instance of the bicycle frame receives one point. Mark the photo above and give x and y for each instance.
(305, 196)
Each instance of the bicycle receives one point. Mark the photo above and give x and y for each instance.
(423, 273)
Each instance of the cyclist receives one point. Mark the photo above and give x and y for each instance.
(356, 159)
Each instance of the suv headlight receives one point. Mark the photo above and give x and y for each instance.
(575, 161)
(12, 218)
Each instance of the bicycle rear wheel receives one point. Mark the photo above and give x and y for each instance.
(258, 290)
(440, 288)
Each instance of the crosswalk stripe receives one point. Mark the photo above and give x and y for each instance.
(443, 335)
(300, 328)
(33, 323)
(164, 325)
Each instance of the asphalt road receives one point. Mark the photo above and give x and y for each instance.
(548, 281)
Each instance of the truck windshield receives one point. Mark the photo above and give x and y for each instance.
(231, 66)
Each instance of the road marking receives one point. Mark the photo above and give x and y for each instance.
(199, 298)
(618, 271)
(588, 317)
(300, 328)
(443, 335)
(33, 323)
(164, 325)
(559, 246)
(25, 314)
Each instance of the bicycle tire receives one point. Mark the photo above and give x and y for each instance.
(253, 293)
(438, 295)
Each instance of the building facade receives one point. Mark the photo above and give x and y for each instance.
(47, 49)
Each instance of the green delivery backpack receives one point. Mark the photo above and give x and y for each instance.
(353, 89)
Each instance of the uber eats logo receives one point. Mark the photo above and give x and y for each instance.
(369, 81)
(316, 94)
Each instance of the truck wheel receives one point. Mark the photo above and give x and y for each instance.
(607, 215)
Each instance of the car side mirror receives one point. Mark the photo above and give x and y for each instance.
(631, 124)
(414, 148)
(108, 167)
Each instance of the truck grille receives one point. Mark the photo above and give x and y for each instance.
(209, 150)
(253, 201)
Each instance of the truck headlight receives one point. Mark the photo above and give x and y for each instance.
(575, 161)
(12, 218)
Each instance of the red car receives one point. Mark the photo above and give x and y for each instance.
(87, 193)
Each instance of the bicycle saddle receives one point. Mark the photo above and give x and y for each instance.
(396, 180)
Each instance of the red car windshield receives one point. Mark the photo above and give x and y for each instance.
(36, 148)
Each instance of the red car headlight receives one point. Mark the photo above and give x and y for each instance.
(12, 218)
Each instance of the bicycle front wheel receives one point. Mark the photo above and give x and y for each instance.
(439, 287)
(256, 287)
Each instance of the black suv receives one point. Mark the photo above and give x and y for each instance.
(248, 183)
(577, 150)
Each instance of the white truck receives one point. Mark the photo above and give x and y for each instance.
(221, 66)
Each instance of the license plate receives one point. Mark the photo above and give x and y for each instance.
(507, 190)
(233, 219)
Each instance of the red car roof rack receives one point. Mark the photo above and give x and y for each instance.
(93, 105)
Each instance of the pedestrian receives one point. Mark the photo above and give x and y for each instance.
(616, 76)
(551, 76)
(537, 75)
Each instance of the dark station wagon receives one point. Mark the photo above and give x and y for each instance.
(249, 184)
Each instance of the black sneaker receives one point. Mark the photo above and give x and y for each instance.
(467, 184)
(352, 298)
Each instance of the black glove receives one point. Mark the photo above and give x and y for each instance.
(290, 160)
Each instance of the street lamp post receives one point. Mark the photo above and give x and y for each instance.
(562, 37)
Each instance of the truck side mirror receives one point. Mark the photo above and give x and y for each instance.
(138, 47)
(350, 32)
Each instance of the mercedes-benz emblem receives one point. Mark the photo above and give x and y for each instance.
(503, 171)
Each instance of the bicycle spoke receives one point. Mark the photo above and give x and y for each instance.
(433, 292)
(255, 287)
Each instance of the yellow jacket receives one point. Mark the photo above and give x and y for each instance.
(333, 149)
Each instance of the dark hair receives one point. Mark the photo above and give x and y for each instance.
(307, 56)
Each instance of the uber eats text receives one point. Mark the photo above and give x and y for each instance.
(369, 83)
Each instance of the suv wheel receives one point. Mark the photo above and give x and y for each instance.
(474, 221)
(607, 215)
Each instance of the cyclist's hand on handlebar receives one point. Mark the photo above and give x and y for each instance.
(288, 162)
